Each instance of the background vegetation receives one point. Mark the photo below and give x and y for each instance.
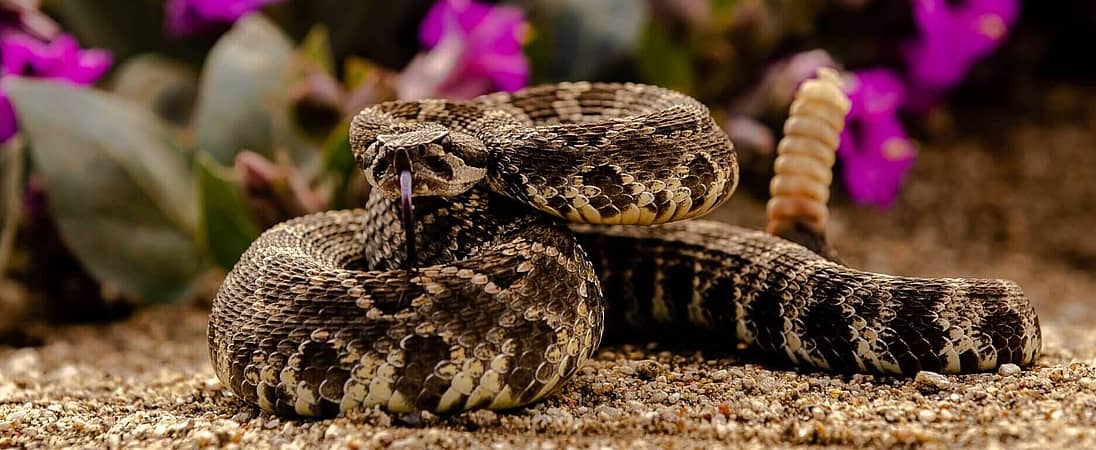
(148, 142)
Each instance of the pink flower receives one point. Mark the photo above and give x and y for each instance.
(474, 49)
(8, 124)
(62, 59)
(23, 17)
(185, 17)
(875, 151)
(952, 37)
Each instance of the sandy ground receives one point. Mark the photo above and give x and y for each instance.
(1009, 199)
(141, 383)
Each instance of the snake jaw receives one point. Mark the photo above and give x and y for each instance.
(407, 209)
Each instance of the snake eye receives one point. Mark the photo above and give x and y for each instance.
(380, 167)
(439, 166)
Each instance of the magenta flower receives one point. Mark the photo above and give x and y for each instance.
(23, 17)
(875, 151)
(474, 49)
(8, 124)
(186, 17)
(952, 37)
(62, 59)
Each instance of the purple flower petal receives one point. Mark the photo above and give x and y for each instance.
(951, 39)
(876, 158)
(8, 125)
(61, 59)
(875, 92)
(15, 53)
(426, 73)
(509, 73)
(23, 17)
(448, 15)
(186, 17)
(875, 151)
(474, 48)
(90, 66)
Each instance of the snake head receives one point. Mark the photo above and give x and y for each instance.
(442, 162)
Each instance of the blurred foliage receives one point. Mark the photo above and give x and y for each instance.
(203, 141)
(227, 227)
(242, 100)
(126, 27)
(133, 223)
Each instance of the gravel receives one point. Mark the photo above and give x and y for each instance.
(140, 383)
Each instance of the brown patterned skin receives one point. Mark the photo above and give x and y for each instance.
(317, 317)
(585, 152)
(299, 329)
(721, 282)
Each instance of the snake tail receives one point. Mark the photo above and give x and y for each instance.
(789, 303)
(803, 171)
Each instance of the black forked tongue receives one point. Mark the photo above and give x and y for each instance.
(407, 211)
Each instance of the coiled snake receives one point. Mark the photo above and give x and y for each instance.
(506, 302)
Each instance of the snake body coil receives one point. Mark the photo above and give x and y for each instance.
(317, 317)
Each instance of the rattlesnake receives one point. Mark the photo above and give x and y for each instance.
(505, 302)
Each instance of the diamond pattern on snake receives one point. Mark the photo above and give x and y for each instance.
(542, 217)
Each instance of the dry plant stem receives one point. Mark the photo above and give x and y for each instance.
(13, 151)
(803, 170)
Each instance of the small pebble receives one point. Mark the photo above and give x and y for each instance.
(1008, 370)
(242, 416)
(648, 369)
(926, 416)
(205, 438)
(608, 412)
(1087, 383)
(485, 417)
(930, 382)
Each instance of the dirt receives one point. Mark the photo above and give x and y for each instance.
(994, 195)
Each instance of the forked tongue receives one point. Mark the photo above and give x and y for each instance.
(407, 211)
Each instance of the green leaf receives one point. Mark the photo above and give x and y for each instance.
(316, 48)
(164, 86)
(13, 167)
(582, 39)
(120, 189)
(243, 101)
(227, 228)
(664, 62)
(357, 71)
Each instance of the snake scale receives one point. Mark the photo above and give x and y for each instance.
(506, 300)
